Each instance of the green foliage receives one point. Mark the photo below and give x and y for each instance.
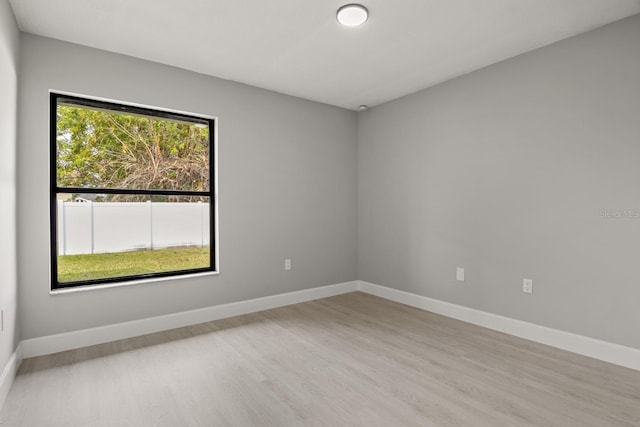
(72, 268)
(105, 149)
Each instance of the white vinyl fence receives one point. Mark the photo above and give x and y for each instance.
(97, 227)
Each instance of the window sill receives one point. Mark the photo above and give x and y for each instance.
(130, 283)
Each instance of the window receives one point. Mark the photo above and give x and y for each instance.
(132, 193)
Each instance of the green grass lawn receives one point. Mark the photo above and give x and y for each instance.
(72, 268)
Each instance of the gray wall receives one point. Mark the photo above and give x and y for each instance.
(506, 172)
(287, 173)
(9, 41)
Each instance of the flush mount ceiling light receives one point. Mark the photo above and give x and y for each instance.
(352, 15)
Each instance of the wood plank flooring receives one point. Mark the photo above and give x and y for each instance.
(350, 360)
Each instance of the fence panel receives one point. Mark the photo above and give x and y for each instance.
(180, 224)
(77, 218)
(120, 226)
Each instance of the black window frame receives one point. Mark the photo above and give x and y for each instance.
(54, 189)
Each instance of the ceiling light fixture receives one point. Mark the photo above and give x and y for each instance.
(363, 107)
(352, 15)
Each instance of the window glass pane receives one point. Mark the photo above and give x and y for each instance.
(101, 148)
(107, 236)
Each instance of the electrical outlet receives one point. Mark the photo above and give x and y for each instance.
(460, 274)
(527, 286)
(287, 264)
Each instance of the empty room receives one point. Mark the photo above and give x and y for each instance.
(319, 213)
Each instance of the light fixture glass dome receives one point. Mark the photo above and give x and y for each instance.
(352, 15)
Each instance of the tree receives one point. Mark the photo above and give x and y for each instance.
(107, 149)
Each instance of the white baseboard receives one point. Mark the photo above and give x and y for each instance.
(9, 373)
(591, 347)
(597, 349)
(86, 337)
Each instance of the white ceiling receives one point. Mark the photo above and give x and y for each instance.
(297, 47)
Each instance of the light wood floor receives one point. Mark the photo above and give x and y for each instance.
(351, 360)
